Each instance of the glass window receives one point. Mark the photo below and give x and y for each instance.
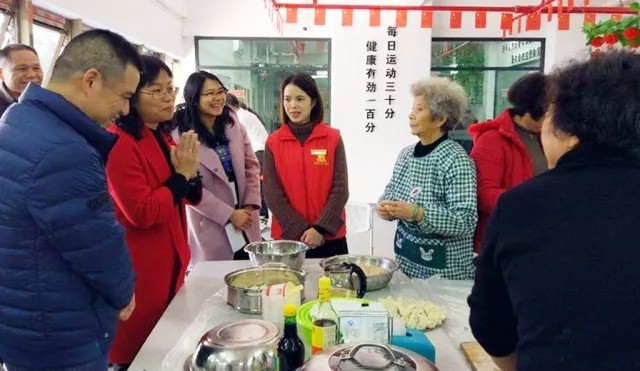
(486, 70)
(253, 69)
(45, 42)
(260, 89)
(10, 33)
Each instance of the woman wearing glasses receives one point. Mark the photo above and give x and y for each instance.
(227, 218)
(150, 180)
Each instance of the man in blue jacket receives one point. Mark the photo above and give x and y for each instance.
(65, 273)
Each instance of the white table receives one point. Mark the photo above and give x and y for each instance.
(207, 278)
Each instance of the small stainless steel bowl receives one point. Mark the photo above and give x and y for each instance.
(375, 282)
(241, 345)
(290, 253)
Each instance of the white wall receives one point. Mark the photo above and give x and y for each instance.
(370, 156)
(155, 23)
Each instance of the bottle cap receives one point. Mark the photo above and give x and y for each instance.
(324, 283)
(290, 310)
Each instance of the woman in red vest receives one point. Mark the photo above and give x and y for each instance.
(150, 180)
(305, 173)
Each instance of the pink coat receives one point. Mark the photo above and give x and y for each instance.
(207, 237)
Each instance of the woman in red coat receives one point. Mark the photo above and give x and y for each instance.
(507, 149)
(150, 181)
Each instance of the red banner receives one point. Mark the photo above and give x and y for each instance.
(292, 15)
(564, 21)
(374, 17)
(481, 19)
(455, 20)
(401, 18)
(319, 17)
(347, 17)
(427, 19)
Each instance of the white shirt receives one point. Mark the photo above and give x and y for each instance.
(256, 131)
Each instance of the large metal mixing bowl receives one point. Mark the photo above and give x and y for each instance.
(290, 253)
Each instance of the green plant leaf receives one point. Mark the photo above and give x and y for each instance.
(635, 6)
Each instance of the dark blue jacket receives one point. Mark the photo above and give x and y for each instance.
(64, 267)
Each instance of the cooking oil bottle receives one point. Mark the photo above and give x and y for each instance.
(324, 333)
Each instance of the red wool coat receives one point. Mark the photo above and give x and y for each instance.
(502, 162)
(155, 234)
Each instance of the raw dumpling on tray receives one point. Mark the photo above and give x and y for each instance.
(415, 314)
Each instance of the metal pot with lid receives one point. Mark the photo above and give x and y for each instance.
(368, 356)
(248, 345)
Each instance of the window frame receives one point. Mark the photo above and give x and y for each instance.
(200, 66)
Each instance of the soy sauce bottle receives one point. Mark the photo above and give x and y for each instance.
(290, 347)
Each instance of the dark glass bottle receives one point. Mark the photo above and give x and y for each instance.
(290, 347)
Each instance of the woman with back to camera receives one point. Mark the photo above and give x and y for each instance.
(556, 284)
(432, 192)
(150, 180)
(305, 173)
(507, 149)
(227, 218)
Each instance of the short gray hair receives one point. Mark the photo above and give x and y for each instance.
(446, 99)
(106, 51)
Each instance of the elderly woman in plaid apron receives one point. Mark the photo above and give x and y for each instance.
(432, 192)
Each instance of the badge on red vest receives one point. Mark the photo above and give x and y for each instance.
(321, 157)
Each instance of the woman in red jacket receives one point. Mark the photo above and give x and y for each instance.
(150, 181)
(507, 149)
(305, 173)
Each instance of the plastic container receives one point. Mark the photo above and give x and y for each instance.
(416, 341)
(274, 298)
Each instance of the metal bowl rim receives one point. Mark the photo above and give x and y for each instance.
(250, 248)
(227, 278)
(335, 259)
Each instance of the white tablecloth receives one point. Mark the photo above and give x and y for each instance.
(205, 283)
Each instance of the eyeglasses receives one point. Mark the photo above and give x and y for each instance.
(217, 94)
(159, 93)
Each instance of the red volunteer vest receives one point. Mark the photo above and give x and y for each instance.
(305, 171)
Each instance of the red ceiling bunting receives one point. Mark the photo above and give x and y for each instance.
(427, 19)
(347, 17)
(533, 22)
(564, 21)
(401, 18)
(506, 22)
(455, 20)
(292, 15)
(481, 19)
(532, 14)
(590, 18)
(374, 17)
(319, 17)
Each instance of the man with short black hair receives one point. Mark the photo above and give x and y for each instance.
(19, 65)
(66, 272)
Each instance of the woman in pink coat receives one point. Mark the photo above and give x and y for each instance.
(227, 217)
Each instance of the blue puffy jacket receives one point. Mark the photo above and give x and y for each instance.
(64, 267)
